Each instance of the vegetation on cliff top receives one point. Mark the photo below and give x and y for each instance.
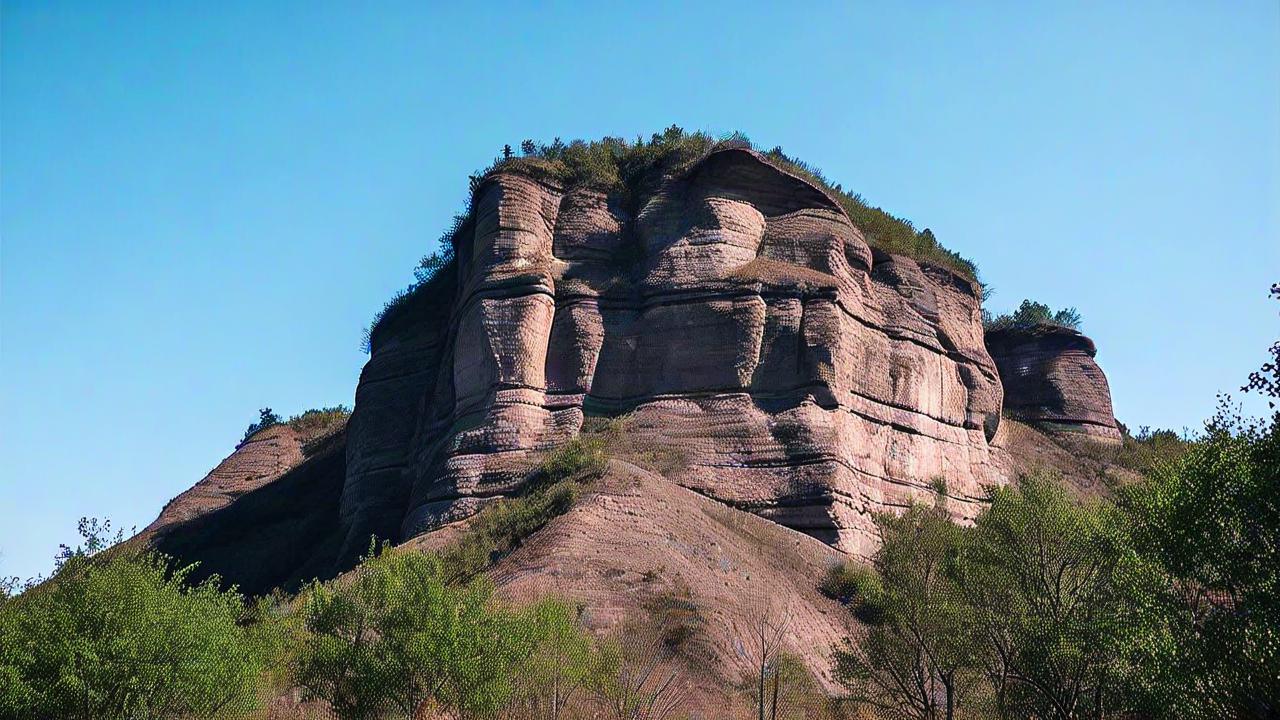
(309, 424)
(622, 168)
(617, 166)
(1031, 314)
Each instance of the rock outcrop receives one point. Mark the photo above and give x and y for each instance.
(736, 313)
(1051, 380)
(781, 381)
(259, 460)
(267, 516)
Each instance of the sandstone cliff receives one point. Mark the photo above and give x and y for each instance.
(1051, 380)
(737, 314)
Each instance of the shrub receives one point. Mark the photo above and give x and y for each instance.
(582, 456)
(317, 423)
(266, 418)
(853, 584)
(1031, 314)
(126, 637)
(503, 525)
(1146, 450)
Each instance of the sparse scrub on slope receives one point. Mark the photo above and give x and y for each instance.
(503, 526)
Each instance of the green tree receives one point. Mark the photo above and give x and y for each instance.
(396, 637)
(1266, 380)
(127, 637)
(266, 418)
(1211, 521)
(562, 662)
(1068, 611)
(918, 656)
(1030, 314)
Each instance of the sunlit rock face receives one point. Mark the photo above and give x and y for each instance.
(1051, 380)
(733, 310)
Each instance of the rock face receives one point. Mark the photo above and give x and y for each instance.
(258, 461)
(279, 533)
(266, 516)
(734, 310)
(1051, 380)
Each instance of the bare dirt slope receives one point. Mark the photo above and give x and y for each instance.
(646, 556)
(266, 517)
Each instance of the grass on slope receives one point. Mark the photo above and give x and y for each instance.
(502, 527)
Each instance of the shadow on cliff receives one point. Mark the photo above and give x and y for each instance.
(278, 536)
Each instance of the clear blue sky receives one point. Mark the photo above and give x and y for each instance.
(201, 206)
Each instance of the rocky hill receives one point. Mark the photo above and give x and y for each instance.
(780, 377)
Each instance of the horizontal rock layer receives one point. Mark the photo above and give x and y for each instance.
(734, 310)
(1051, 380)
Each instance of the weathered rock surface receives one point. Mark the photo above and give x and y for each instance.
(1051, 380)
(266, 517)
(257, 461)
(734, 310)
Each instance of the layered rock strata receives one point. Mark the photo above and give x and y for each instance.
(1051, 380)
(736, 313)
